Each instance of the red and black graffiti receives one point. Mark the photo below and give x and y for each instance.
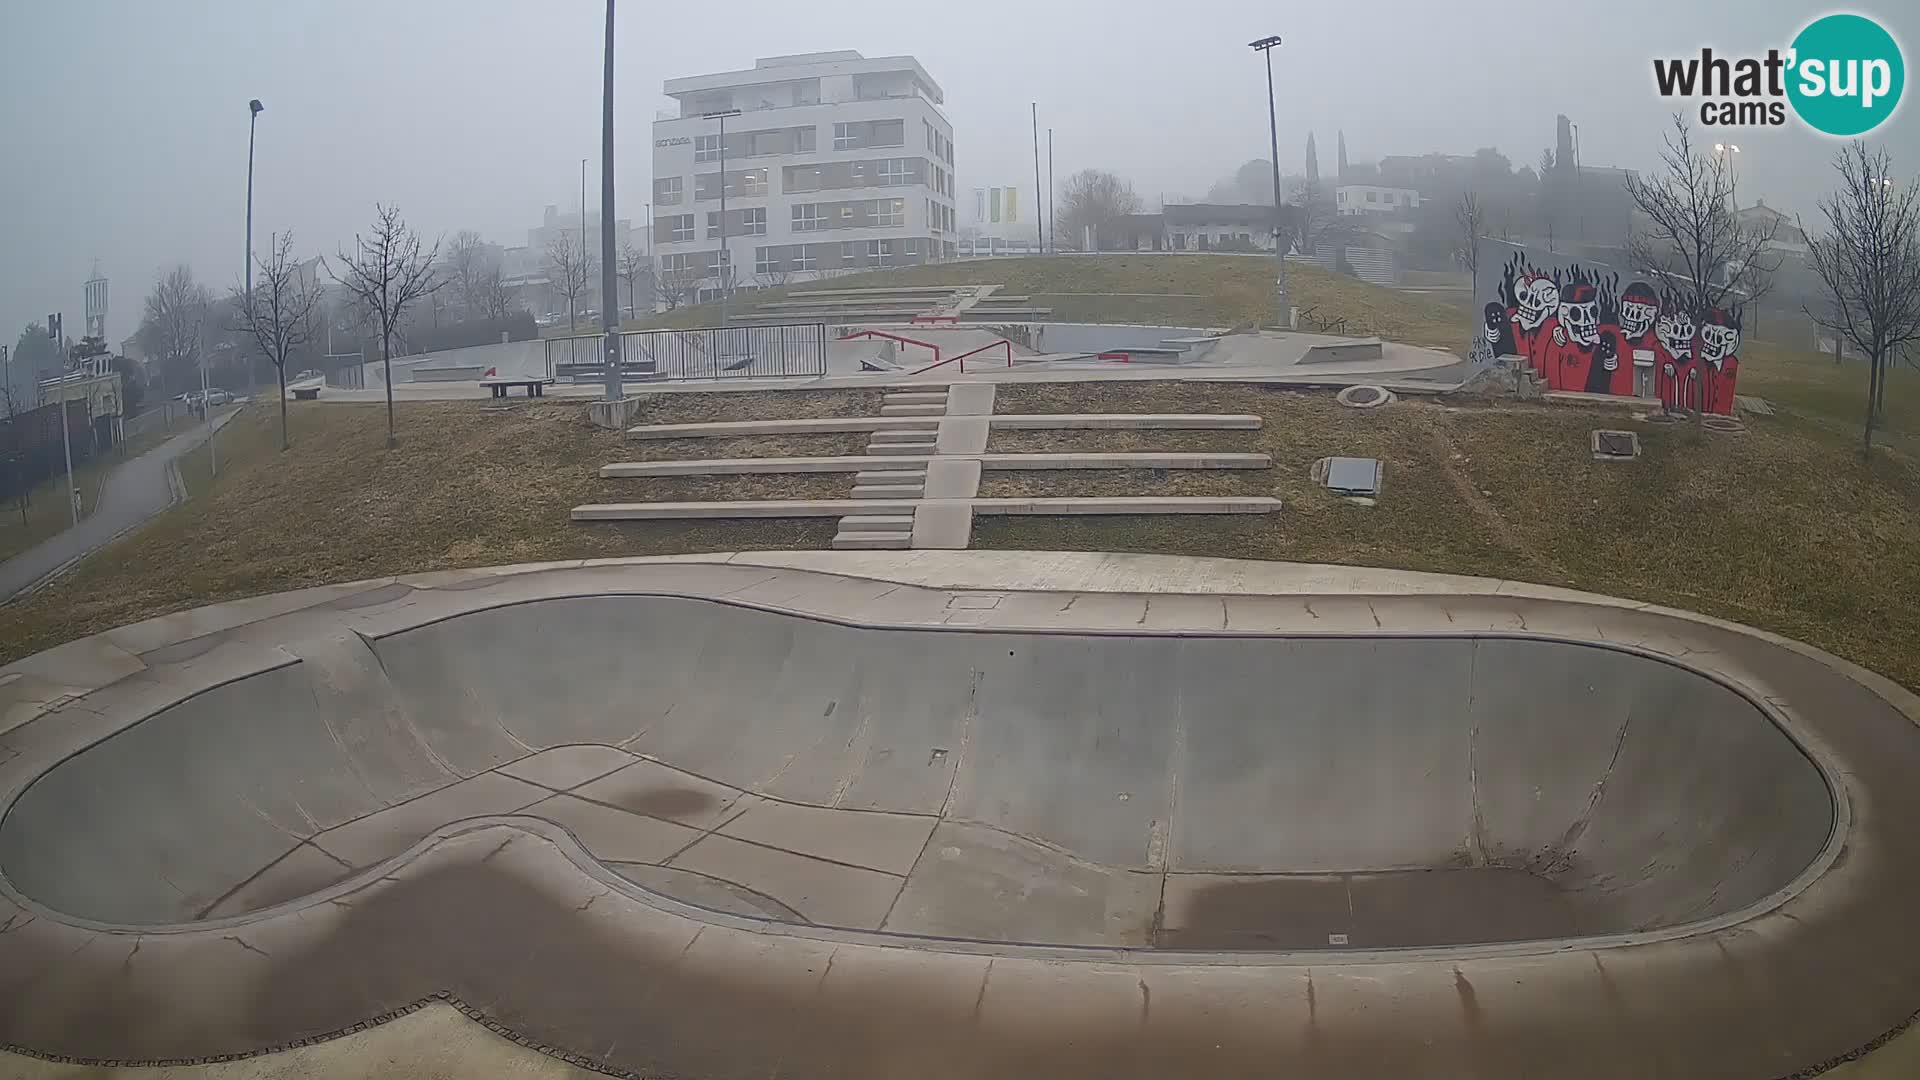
(1579, 331)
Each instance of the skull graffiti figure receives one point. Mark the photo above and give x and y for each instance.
(1719, 338)
(1676, 333)
(1580, 315)
(1638, 308)
(1539, 297)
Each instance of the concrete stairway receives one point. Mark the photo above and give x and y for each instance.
(913, 445)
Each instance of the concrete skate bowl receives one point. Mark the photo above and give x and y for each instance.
(1266, 793)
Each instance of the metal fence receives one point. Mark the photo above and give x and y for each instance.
(762, 351)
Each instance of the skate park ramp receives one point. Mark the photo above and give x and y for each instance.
(1179, 792)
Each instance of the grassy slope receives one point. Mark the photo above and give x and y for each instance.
(471, 485)
(1779, 527)
(1207, 290)
(47, 512)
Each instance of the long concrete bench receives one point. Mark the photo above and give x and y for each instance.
(798, 508)
(831, 425)
(988, 462)
(1125, 421)
(1132, 504)
(1011, 421)
(745, 508)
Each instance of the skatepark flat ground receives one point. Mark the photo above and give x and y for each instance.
(1195, 805)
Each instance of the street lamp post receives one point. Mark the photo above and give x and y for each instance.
(609, 273)
(254, 109)
(1732, 153)
(1265, 47)
(724, 264)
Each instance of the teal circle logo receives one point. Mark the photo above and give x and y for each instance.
(1847, 75)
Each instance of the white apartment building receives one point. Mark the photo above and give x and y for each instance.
(836, 162)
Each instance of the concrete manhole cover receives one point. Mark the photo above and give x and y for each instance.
(1615, 446)
(1364, 397)
(1725, 425)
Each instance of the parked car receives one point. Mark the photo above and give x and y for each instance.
(218, 396)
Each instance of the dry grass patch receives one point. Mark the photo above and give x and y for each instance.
(842, 444)
(1102, 483)
(697, 408)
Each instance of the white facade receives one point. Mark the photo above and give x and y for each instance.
(1372, 199)
(836, 162)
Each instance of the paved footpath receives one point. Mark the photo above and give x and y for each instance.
(135, 491)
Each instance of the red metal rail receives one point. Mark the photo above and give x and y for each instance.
(962, 358)
(896, 337)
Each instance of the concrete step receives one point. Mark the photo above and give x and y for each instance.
(904, 475)
(889, 491)
(890, 409)
(919, 449)
(883, 437)
(915, 397)
(877, 523)
(873, 541)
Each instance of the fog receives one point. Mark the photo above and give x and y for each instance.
(125, 121)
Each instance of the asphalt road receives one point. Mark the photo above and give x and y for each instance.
(134, 492)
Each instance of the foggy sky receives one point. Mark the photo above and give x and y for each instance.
(124, 122)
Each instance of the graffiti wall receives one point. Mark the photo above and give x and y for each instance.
(1589, 327)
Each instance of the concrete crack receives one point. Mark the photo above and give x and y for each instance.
(19, 920)
(235, 938)
(128, 962)
(488, 857)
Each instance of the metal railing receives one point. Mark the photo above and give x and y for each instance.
(759, 351)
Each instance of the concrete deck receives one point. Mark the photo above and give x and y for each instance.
(1019, 421)
(802, 508)
(964, 814)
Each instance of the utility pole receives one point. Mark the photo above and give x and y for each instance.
(66, 440)
(724, 264)
(1040, 225)
(1051, 230)
(1265, 46)
(609, 283)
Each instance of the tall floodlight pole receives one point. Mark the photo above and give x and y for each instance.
(254, 109)
(724, 264)
(1051, 229)
(609, 271)
(1265, 46)
(66, 440)
(1040, 222)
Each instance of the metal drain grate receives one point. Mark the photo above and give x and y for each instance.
(1353, 475)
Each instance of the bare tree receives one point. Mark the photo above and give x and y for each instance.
(1692, 239)
(491, 296)
(1472, 219)
(1095, 198)
(277, 312)
(634, 267)
(570, 268)
(387, 271)
(1869, 258)
(173, 325)
(678, 287)
(467, 263)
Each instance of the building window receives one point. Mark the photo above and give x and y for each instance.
(674, 264)
(806, 217)
(846, 137)
(713, 224)
(753, 222)
(880, 252)
(706, 148)
(887, 133)
(754, 182)
(667, 191)
(890, 213)
(680, 227)
(764, 261)
(803, 140)
(803, 259)
(802, 178)
(893, 172)
(1371, 196)
(932, 146)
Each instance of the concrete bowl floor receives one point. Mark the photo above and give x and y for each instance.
(1216, 792)
(490, 774)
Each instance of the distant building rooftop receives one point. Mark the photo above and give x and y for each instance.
(779, 69)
